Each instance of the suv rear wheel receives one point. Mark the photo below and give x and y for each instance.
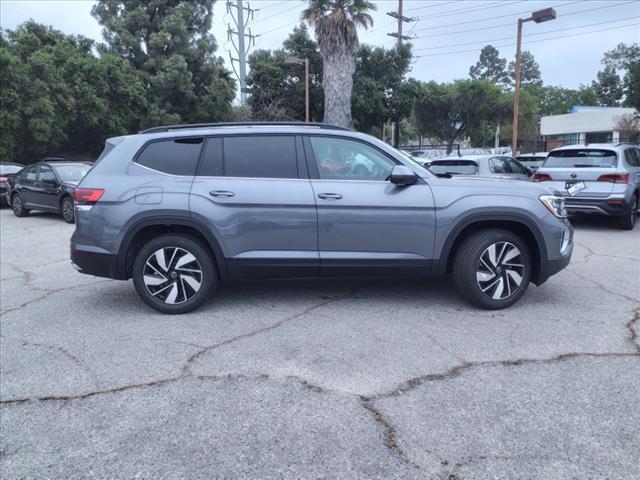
(628, 221)
(18, 207)
(492, 268)
(174, 274)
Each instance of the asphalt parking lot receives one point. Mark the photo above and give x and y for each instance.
(318, 379)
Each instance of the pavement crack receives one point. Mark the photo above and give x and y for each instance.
(603, 287)
(390, 434)
(591, 252)
(631, 326)
(328, 300)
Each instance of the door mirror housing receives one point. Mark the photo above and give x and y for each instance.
(401, 175)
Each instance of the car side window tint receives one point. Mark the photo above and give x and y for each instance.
(633, 157)
(260, 156)
(344, 159)
(515, 166)
(31, 173)
(498, 165)
(46, 174)
(212, 162)
(176, 156)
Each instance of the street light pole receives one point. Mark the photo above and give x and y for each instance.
(538, 17)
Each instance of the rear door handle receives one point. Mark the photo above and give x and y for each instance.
(330, 196)
(221, 193)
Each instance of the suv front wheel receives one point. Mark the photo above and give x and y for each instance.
(174, 274)
(492, 268)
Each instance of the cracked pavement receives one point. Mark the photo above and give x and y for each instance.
(318, 378)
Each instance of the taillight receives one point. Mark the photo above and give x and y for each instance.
(87, 196)
(542, 177)
(3, 179)
(614, 178)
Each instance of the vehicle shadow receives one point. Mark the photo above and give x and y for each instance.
(598, 222)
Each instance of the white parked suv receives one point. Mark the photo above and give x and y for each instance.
(611, 174)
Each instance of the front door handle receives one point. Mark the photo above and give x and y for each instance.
(221, 193)
(330, 196)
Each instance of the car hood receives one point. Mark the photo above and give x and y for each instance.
(476, 185)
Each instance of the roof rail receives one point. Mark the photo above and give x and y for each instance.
(168, 128)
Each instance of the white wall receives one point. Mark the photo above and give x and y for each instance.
(601, 120)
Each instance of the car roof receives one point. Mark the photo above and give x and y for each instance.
(473, 157)
(595, 146)
(64, 162)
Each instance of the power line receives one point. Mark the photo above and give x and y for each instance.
(511, 15)
(278, 13)
(511, 23)
(476, 42)
(487, 6)
(432, 6)
(532, 41)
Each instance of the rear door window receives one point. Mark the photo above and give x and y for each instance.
(260, 156)
(46, 174)
(581, 158)
(31, 173)
(176, 156)
(499, 165)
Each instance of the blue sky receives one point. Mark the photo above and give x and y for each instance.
(449, 34)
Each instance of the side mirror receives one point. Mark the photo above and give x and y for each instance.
(401, 175)
(528, 171)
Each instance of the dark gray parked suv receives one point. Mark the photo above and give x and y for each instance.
(180, 208)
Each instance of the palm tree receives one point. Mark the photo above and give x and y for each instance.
(336, 23)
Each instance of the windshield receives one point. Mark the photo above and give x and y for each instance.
(8, 169)
(454, 167)
(72, 172)
(581, 158)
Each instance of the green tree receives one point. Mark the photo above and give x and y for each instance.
(380, 92)
(335, 23)
(608, 87)
(170, 43)
(626, 59)
(529, 70)
(452, 111)
(58, 96)
(490, 66)
(277, 89)
(554, 100)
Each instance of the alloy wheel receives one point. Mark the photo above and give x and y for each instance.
(67, 210)
(172, 275)
(17, 204)
(500, 270)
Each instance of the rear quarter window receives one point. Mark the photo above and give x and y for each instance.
(581, 158)
(176, 156)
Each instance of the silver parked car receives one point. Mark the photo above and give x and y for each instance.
(611, 174)
(501, 166)
(181, 208)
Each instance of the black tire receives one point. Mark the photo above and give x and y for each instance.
(469, 267)
(185, 298)
(66, 210)
(18, 207)
(629, 220)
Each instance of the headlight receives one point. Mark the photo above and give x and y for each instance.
(554, 204)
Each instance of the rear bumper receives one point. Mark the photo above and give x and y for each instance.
(97, 264)
(605, 206)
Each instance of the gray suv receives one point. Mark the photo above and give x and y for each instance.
(180, 208)
(611, 174)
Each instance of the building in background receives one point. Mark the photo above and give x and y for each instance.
(583, 125)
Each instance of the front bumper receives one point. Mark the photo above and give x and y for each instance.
(603, 206)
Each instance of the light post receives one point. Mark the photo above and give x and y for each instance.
(539, 17)
(305, 62)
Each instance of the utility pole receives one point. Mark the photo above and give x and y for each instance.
(242, 48)
(401, 20)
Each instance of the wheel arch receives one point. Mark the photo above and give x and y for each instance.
(519, 224)
(144, 229)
